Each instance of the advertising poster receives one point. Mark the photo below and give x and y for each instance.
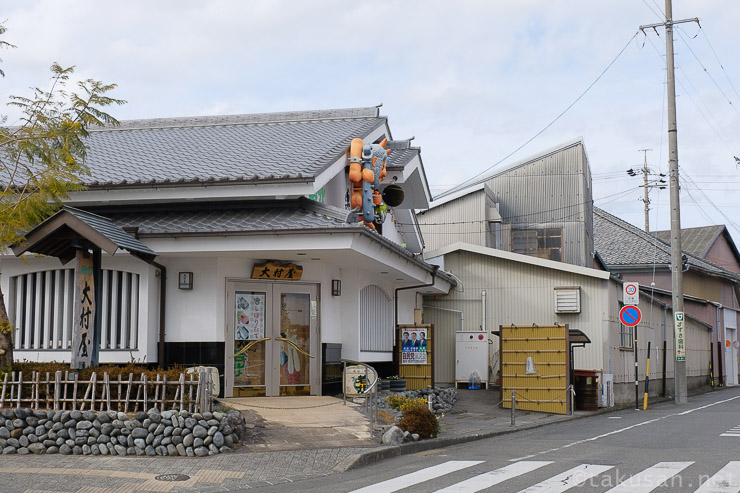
(250, 316)
(414, 346)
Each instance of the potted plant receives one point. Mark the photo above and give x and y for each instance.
(397, 384)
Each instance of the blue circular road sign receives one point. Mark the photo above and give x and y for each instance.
(630, 315)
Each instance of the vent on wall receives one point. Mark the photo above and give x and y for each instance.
(568, 299)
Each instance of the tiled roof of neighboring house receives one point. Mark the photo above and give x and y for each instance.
(301, 214)
(231, 149)
(696, 241)
(620, 244)
(399, 159)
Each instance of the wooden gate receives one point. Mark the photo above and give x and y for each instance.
(535, 363)
(416, 357)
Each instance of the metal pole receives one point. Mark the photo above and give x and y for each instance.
(679, 380)
(344, 383)
(637, 389)
(513, 408)
(647, 380)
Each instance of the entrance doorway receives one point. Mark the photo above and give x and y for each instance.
(272, 339)
(731, 356)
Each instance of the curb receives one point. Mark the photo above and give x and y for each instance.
(387, 452)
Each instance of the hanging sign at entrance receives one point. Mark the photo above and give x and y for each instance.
(84, 312)
(680, 342)
(414, 346)
(250, 316)
(275, 270)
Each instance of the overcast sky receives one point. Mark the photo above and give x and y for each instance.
(471, 80)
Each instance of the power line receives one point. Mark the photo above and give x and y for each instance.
(554, 120)
(680, 33)
(718, 61)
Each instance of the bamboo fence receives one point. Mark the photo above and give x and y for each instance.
(63, 392)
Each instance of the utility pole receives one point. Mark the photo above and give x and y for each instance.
(647, 185)
(646, 200)
(679, 366)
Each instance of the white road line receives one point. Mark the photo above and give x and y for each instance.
(486, 480)
(568, 479)
(650, 478)
(729, 434)
(621, 430)
(726, 480)
(417, 477)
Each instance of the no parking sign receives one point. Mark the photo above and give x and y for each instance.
(630, 315)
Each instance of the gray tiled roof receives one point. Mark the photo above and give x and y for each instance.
(112, 231)
(696, 241)
(399, 159)
(622, 244)
(285, 215)
(236, 148)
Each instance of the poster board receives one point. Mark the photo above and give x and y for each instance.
(415, 348)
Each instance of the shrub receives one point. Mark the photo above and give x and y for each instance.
(401, 403)
(419, 419)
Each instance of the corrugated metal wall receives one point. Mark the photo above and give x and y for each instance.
(553, 191)
(516, 293)
(655, 323)
(462, 219)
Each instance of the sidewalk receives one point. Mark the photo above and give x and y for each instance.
(291, 439)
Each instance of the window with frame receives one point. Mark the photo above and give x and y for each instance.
(544, 243)
(626, 338)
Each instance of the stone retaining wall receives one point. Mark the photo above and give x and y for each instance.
(173, 433)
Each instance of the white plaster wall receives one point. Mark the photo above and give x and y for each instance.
(148, 322)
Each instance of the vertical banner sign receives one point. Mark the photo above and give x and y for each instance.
(680, 341)
(84, 312)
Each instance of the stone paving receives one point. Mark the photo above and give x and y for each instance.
(289, 440)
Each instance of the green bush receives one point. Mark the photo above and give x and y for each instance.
(419, 419)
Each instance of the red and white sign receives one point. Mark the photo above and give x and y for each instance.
(630, 293)
(630, 315)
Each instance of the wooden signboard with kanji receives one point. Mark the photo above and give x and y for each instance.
(277, 271)
(83, 347)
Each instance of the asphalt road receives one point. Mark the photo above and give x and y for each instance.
(666, 448)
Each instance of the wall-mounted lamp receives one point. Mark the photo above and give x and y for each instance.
(185, 280)
(336, 287)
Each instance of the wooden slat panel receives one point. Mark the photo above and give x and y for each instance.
(58, 308)
(125, 308)
(20, 295)
(105, 314)
(547, 346)
(115, 321)
(134, 309)
(68, 307)
(46, 328)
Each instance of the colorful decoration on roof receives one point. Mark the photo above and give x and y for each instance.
(366, 171)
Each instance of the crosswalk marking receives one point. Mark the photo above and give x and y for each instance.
(733, 432)
(568, 479)
(486, 480)
(726, 480)
(417, 477)
(650, 478)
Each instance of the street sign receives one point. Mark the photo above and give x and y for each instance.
(630, 315)
(680, 342)
(631, 293)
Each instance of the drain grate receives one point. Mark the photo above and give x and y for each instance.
(172, 477)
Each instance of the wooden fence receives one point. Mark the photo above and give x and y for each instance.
(57, 392)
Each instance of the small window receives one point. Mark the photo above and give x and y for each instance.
(568, 300)
(544, 243)
(626, 339)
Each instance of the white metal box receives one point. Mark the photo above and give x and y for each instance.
(471, 354)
